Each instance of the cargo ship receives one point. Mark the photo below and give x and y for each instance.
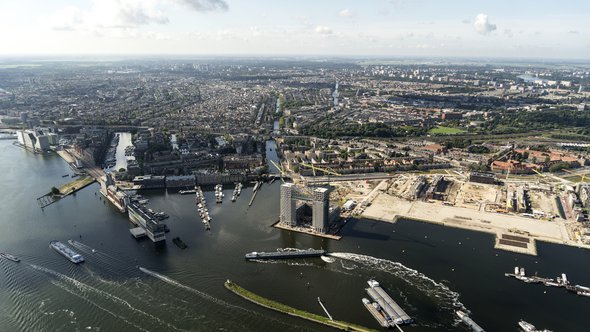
(375, 310)
(286, 254)
(66, 251)
(147, 220)
(469, 322)
(9, 257)
(388, 306)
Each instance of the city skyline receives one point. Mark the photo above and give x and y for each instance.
(541, 29)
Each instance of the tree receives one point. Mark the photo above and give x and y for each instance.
(121, 170)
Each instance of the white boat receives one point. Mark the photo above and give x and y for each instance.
(9, 257)
(528, 327)
(327, 259)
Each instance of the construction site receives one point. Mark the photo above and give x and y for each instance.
(518, 210)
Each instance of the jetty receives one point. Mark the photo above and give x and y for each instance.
(65, 190)
(277, 306)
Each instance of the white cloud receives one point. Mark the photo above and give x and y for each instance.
(106, 14)
(483, 25)
(346, 13)
(324, 30)
(205, 5)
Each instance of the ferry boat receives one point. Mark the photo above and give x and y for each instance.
(9, 257)
(66, 251)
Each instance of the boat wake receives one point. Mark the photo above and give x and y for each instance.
(440, 293)
(82, 290)
(187, 288)
(206, 296)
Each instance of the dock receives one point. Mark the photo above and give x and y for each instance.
(202, 207)
(560, 282)
(137, 232)
(65, 190)
(516, 243)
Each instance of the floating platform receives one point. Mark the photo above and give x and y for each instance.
(137, 232)
(518, 244)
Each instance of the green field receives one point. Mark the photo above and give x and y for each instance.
(440, 130)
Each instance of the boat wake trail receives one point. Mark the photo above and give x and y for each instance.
(85, 291)
(440, 293)
(187, 288)
(206, 296)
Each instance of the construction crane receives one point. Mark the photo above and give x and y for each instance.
(573, 173)
(326, 169)
(281, 170)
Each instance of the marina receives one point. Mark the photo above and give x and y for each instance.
(219, 194)
(202, 210)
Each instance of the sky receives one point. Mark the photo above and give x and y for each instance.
(429, 28)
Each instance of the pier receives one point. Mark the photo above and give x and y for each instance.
(560, 282)
(202, 207)
(65, 190)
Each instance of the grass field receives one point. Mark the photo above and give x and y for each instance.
(440, 130)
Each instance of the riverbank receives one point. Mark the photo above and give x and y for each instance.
(388, 208)
(270, 304)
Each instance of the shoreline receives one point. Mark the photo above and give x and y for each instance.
(387, 208)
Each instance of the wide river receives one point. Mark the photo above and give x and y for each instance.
(429, 270)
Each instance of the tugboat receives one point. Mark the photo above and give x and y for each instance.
(9, 257)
